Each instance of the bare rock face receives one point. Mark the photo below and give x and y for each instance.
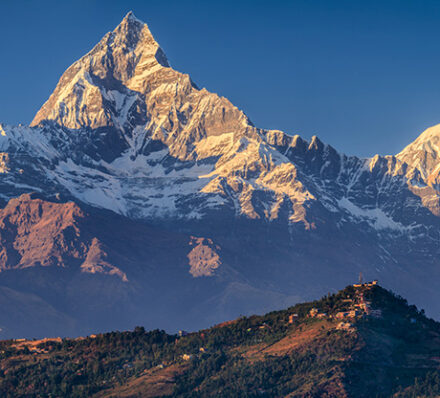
(4, 160)
(96, 262)
(203, 257)
(35, 232)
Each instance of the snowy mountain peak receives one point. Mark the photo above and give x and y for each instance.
(131, 17)
(139, 138)
(424, 153)
(134, 35)
(123, 99)
(131, 23)
(96, 88)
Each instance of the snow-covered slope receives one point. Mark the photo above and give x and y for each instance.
(424, 152)
(125, 131)
(423, 156)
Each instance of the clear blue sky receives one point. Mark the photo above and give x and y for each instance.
(362, 75)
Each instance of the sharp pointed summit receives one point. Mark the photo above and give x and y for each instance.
(131, 22)
(131, 17)
(132, 34)
(96, 87)
(125, 82)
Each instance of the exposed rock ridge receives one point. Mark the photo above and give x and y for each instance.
(35, 232)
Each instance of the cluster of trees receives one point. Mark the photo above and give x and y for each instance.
(79, 368)
(83, 367)
(236, 377)
(306, 372)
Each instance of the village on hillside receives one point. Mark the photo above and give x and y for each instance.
(358, 307)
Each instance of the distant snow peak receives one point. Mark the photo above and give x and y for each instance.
(424, 153)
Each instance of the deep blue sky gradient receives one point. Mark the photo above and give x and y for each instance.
(362, 75)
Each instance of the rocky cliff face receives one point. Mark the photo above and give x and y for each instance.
(35, 232)
(266, 217)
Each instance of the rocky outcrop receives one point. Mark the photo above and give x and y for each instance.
(203, 257)
(35, 232)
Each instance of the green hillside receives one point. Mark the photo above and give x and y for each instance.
(361, 342)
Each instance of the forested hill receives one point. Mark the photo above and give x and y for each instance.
(361, 342)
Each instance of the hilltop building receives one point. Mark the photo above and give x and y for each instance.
(293, 318)
(366, 284)
(313, 312)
